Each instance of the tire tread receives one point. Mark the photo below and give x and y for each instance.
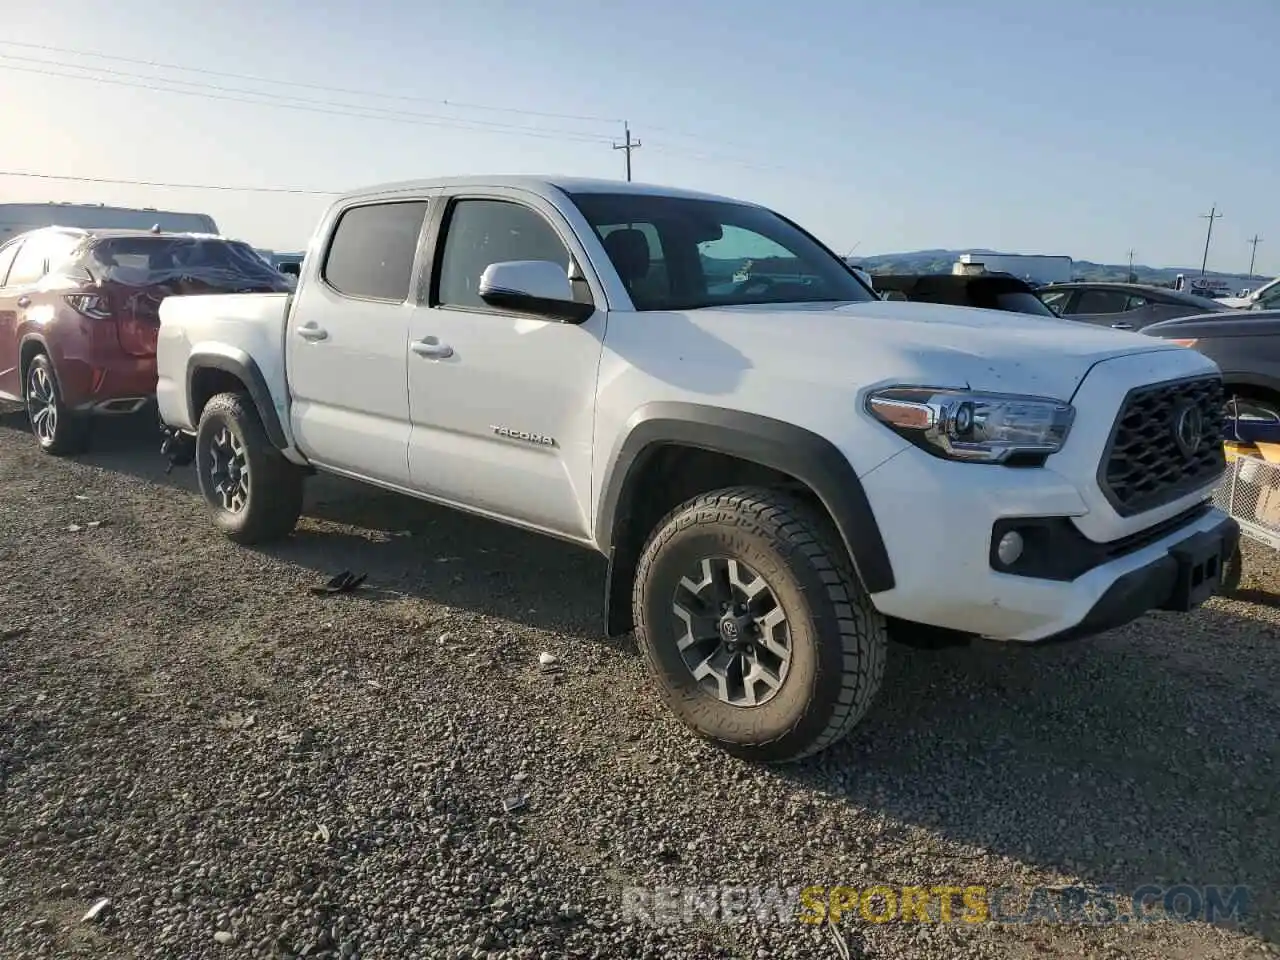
(797, 529)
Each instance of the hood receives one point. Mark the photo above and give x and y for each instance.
(1253, 323)
(925, 343)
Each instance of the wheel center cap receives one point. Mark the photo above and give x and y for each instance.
(733, 630)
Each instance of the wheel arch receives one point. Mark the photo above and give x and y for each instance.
(31, 345)
(729, 447)
(209, 373)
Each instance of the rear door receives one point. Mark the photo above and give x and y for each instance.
(23, 298)
(9, 379)
(346, 341)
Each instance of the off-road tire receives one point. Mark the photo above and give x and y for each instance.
(274, 500)
(838, 639)
(72, 431)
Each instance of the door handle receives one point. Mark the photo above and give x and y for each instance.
(24, 301)
(312, 333)
(432, 349)
(1122, 326)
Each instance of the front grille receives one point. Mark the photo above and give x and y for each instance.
(1145, 465)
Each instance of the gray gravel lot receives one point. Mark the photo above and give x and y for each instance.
(246, 769)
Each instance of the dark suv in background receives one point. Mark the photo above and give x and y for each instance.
(79, 316)
(1125, 306)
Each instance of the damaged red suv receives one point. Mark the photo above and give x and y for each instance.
(80, 311)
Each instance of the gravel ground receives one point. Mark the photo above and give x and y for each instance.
(245, 769)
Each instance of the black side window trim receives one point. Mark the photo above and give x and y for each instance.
(427, 219)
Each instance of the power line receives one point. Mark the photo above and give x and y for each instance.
(182, 186)
(1253, 242)
(297, 83)
(628, 145)
(1211, 216)
(356, 111)
(310, 106)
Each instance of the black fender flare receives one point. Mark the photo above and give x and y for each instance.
(245, 369)
(809, 458)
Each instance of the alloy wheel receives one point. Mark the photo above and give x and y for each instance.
(42, 403)
(733, 634)
(229, 470)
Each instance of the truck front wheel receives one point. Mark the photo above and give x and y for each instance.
(756, 629)
(254, 493)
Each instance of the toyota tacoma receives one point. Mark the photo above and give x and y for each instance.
(782, 469)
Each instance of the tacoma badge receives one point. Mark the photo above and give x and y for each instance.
(524, 435)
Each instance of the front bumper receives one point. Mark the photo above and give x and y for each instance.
(938, 521)
(1187, 575)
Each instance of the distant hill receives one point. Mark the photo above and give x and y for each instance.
(940, 261)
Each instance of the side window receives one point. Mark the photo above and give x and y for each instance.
(30, 263)
(372, 250)
(1135, 303)
(1101, 301)
(1057, 301)
(6, 260)
(1270, 300)
(481, 232)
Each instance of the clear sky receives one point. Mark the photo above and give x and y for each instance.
(1034, 126)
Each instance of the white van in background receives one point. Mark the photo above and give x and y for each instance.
(16, 218)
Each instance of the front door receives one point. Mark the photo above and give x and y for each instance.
(502, 404)
(345, 343)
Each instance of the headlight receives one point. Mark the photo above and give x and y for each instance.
(973, 426)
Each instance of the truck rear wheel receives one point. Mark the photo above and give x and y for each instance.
(254, 493)
(757, 631)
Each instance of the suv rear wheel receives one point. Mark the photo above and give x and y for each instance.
(255, 494)
(757, 631)
(58, 430)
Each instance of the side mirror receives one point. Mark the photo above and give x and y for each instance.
(533, 286)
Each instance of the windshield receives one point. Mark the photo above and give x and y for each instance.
(677, 253)
(143, 260)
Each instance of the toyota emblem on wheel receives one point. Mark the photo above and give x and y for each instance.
(1188, 430)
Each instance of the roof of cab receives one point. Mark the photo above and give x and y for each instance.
(540, 185)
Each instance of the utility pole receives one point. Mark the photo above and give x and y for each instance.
(1253, 256)
(628, 146)
(1211, 216)
(1132, 278)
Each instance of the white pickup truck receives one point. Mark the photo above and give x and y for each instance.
(783, 469)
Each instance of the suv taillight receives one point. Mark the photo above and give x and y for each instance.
(90, 305)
